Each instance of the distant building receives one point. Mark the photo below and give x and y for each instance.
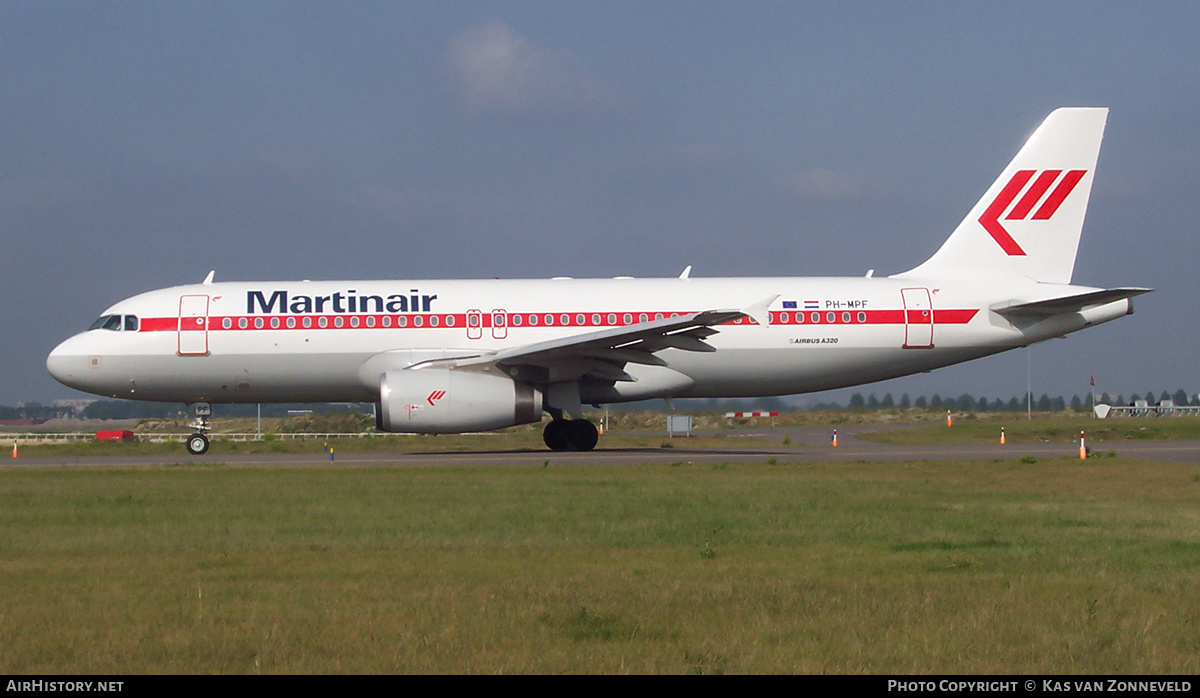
(73, 408)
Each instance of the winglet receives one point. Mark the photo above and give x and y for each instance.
(208, 279)
(687, 270)
(759, 311)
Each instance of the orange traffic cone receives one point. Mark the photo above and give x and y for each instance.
(1001, 436)
(949, 422)
(14, 449)
(833, 442)
(1082, 447)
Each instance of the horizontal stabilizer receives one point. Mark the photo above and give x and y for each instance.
(1068, 304)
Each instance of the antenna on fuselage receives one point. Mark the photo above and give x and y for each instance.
(208, 279)
(687, 270)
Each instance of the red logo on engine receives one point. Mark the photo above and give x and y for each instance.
(990, 220)
(435, 396)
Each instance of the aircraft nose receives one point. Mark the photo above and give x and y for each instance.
(66, 363)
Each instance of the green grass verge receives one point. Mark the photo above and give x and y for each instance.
(1019, 430)
(392, 443)
(924, 567)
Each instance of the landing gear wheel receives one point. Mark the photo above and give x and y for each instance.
(197, 444)
(581, 435)
(556, 434)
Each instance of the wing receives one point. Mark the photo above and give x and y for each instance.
(602, 355)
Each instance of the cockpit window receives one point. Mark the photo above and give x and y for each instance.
(107, 322)
(116, 323)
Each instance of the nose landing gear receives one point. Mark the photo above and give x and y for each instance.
(197, 444)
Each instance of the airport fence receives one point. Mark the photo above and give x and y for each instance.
(52, 437)
(1143, 409)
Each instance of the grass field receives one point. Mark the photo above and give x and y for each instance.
(1110, 432)
(508, 440)
(642, 430)
(1001, 567)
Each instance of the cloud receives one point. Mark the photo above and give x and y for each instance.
(392, 203)
(500, 71)
(822, 184)
(701, 154)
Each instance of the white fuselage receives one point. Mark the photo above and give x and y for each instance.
(325, 341)
(453, 356)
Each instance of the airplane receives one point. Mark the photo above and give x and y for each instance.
(452, 356)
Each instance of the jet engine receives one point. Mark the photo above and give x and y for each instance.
(440, 401)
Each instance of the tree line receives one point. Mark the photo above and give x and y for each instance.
(131, 409)
(969, 403)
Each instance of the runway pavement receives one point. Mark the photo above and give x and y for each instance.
(808, 444)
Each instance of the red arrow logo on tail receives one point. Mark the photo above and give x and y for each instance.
(990, 220)
(435, 396)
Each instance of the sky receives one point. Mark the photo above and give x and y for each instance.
(143, 144)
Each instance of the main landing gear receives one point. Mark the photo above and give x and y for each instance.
(570, 435)
(197, 444)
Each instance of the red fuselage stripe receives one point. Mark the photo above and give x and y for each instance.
(459, 321)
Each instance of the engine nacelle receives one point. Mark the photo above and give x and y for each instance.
(439, 401)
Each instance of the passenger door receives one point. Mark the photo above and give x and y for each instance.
(193, 325)
(918, 318)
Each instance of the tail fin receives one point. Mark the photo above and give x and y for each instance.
(1028, 223)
